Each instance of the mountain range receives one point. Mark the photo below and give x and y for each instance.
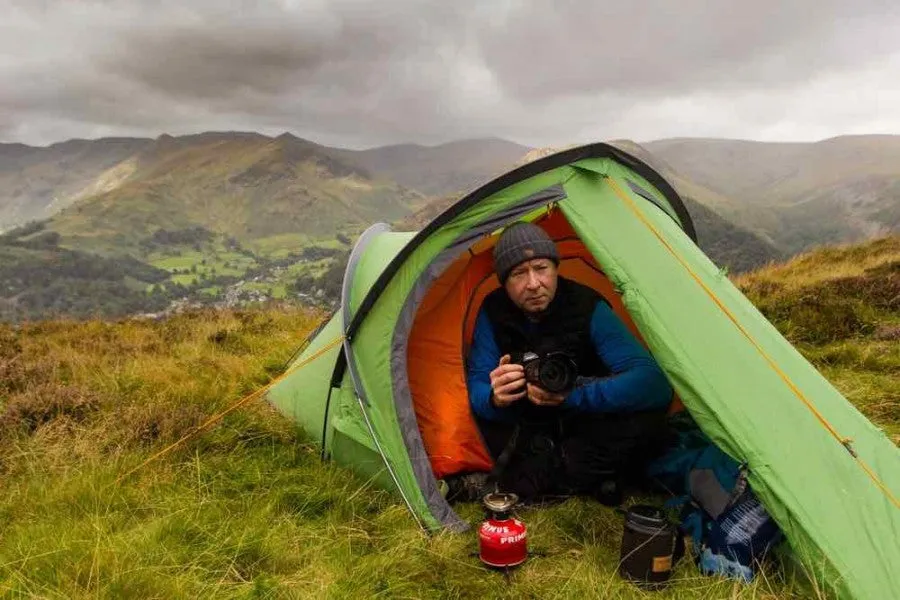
(215, 207)
(792, 195)
(40, 182)
(796, 195)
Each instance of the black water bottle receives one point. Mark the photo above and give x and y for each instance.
(648, 547)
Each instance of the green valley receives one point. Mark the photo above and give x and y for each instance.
(236, 217)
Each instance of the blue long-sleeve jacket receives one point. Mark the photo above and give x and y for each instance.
(636, 383)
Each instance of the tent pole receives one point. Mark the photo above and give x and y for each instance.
(325, 422)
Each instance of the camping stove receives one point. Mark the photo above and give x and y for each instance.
(503, 540)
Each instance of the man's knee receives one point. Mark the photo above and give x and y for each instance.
(599, 445)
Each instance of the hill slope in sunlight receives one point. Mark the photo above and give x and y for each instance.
(245, 186)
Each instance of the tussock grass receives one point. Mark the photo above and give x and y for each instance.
(827, 263)
(848, 292)
(247, 509)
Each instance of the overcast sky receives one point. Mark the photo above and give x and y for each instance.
(360, 74)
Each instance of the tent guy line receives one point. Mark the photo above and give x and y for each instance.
(212, 420)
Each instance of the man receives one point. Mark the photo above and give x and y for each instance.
(585, 440)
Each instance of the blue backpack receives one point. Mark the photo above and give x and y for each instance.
(729, 528)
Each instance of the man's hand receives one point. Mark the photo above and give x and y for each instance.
(542, 397)
(507, 382)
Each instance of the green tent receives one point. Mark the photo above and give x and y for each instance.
(826, 474)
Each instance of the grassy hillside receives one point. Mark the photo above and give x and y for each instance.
(41, 280)
(248, 510)
(455, 167)
(799, 194)
(246, 186)
(226, 217)
(273, 207)
(794, 195)
(192, 266)
(38, 182)
(35, 183)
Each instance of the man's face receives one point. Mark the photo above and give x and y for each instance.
(531, 285)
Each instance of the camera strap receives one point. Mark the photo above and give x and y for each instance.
(503, 460)
(522, 440)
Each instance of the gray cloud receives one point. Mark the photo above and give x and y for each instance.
(353, 73)
(661, 47)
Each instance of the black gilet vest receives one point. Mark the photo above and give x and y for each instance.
(564, 326)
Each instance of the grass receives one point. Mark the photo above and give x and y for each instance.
(279, 246)
(204, 262)
(213, 291)
(312, 267)
(841, 260)
(183, 261)
(189, 266)
(247, 509)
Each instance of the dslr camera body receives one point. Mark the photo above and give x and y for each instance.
(553, 371)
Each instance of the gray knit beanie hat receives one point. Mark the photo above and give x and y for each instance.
(520, 242)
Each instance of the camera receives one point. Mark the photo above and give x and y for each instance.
(555, 372)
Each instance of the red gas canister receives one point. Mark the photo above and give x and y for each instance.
(503, 539)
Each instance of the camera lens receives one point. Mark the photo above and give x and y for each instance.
(556, 375)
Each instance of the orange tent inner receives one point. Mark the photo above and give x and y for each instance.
(442, 332)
